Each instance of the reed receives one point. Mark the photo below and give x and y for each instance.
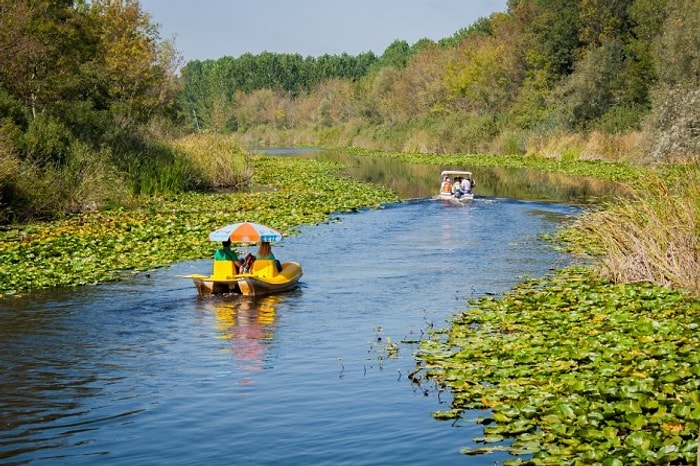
(654, 236)
(217, 160)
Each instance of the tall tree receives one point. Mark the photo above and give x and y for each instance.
(133, 63)
(42, 43)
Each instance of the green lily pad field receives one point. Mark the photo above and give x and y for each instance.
(575, 370)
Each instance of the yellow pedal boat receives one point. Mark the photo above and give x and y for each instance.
(262, 279)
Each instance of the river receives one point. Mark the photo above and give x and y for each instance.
(143, 371)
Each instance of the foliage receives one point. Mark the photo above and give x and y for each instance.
(209, 84)
(574, 370)
(544, 69)
(396, 54)
(82, 83)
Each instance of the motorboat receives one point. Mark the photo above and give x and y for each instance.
(446, 191)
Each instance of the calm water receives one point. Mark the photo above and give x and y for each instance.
(145, 372)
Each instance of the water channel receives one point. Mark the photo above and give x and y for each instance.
(144, 371)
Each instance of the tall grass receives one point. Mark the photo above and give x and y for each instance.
(655, 236)
(217, 159)
(89, 179)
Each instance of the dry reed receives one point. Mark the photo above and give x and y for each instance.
(654, 236)
(218, 160)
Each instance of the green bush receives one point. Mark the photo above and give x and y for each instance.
(621, 118)
(12, 109)
(46, 141)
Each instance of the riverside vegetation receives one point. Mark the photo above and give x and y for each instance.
(592, 365)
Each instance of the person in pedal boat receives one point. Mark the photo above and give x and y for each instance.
(265, 253)
(226, 253)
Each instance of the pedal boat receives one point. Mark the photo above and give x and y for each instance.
(262, 279)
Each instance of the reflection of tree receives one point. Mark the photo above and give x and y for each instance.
(248, 323)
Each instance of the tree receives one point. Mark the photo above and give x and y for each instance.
(603, 21)
(42, 44)
(551, 30)
(487, 71)
(396, 54)
(132, 63)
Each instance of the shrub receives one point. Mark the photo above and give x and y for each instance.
(46, 141)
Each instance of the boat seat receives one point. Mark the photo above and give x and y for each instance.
(265, 268)
(224, 269)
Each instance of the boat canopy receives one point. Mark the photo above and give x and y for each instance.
(455, 173)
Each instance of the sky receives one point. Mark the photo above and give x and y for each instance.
(211, 29)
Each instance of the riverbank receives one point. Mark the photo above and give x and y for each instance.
(104, 246)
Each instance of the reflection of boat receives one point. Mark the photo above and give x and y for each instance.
(448, 195)
(262, 279)
(248, 323)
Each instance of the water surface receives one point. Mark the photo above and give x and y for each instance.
(145, 372)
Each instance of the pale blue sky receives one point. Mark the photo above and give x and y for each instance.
(214, 28)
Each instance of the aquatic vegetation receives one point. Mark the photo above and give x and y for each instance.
(575, 370)
(104, 246)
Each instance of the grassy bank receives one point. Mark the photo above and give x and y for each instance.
(654, 236)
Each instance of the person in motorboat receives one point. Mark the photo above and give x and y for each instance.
(457, 188)
(446, 186)
(265, 253)
(467, 185)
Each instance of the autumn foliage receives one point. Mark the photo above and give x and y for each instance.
(619, 77)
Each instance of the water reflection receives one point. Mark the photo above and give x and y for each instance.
(248, 323)
(418, 180)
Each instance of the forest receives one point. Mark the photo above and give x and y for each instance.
(90, 96)
(594, 78)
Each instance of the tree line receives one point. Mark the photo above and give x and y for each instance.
(541, 69)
